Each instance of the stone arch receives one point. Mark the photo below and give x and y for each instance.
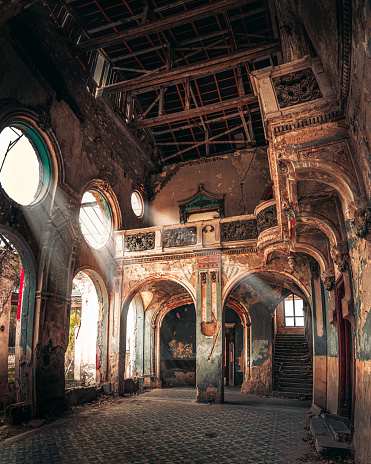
(341, 182)
(150, 329)
(262, 290)
(243, 275)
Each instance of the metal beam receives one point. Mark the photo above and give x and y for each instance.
(163, 24)
(203, 142)
(208, 122)
(195, 112)
(175, 75)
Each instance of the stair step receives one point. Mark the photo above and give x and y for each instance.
(339, 427)
(323, 441)
(291, 388)
(288, 394)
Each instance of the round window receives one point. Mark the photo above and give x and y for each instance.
(137, 203)
(24, 164)
(95, 219)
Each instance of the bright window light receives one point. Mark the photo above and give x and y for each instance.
(294, 314)
(95, 219)
(137, 203)
(20, 174)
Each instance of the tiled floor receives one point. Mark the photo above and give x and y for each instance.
(168, 426)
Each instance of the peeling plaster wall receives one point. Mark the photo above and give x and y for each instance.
(42, 80)
(178, 347)
(220, 175)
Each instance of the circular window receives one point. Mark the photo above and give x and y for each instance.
(95, 219)
(137, 203)
(24, 164)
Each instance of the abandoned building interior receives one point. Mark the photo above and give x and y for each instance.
(185, 200)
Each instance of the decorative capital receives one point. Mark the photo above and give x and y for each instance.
(364, 228)
(328, 282)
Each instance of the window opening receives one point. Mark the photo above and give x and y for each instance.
(95, 219)
(137, 203)
(294, 314)
(98, 71)
(21, 173)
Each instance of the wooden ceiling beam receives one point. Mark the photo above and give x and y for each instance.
(195, 112)
(195, 70)
(160, 25)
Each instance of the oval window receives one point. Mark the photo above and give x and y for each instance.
(95, 219)
(137, 203)
(23, 164)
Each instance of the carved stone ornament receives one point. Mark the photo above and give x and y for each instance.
(140, 242)
(179, 237)
(328, 282)
(344, 265)
(365, 227)
(295, 88)
(239, 230)
(335, 152)
(267, 218)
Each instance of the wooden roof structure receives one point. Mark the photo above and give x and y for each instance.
(178, 71)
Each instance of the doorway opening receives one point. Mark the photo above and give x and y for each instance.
(235, 346)
(293, 372)
(82, 355)
(346, 355)
(178, 347)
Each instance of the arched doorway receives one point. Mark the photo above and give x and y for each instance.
(17, 308)
(150, 300)
(178, 347)
(86, 355)
(260, 292)
(236, 344)
(292, 355)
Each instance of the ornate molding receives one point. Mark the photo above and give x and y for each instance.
(335, 152)
(140, 242)
(296, 88)
(201, 201)
(239, 230)
(183, 236)
(267, 218)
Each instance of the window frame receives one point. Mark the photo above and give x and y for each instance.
(42, 154)
(294, 316)
(137, 194)
(109, 217)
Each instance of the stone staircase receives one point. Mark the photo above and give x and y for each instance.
(331, 434)
(293, 375)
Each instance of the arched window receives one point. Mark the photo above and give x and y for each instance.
(95, 219)
(24, 164)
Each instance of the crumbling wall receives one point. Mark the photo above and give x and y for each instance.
(43, 82)
(233, 175)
